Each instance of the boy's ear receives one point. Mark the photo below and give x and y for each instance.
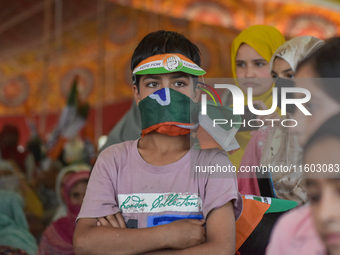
(197, 93)
(136, 94)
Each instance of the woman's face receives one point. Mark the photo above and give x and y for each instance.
(252, 70)
(282, 69)
(324, 191)
(321, 106)
(77, 193)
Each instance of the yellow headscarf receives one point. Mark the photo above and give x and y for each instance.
(265, 40)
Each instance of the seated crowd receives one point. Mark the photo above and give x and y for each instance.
(141, 193)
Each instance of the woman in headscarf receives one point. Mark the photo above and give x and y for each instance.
(57, 238)
(61, 177)
(251, 52)
(14, 231)
(12, 179)
(277, 146)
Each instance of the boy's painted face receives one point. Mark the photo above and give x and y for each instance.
(179, 81)
(321, 106)
(251, 67)
(77, 193)
(282, 69)
(324, 192)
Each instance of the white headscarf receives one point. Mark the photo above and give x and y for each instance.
(296, 49)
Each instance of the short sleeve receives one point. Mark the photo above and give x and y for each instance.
(101, 198)
(221, 188)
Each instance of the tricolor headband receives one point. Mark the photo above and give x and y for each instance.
(167, 63)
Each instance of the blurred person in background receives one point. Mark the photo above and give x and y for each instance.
(59, 184)
(9, 141)
(251, 52)
(57, 238)
(14, 230)
(322, 152)
(277, 145)
(45, 174)
(12, 179)
(295, 232)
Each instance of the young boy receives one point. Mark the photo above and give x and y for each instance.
(138, 186)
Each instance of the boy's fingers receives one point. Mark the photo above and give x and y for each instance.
(112, 220)
(120, 220)
(103, 222)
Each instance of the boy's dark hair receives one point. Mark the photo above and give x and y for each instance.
(325, 61)
(161, 42)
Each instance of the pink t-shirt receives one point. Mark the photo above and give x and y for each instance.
(294, 234)
(149, 195)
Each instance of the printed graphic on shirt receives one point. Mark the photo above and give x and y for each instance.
(155, 220)
(159, 202)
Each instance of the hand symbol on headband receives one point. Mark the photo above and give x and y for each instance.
(172, 63)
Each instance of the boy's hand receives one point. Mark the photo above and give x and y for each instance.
(113, 220)
(186, 233)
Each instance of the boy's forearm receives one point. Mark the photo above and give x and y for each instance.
(205, 248)
(109, 240)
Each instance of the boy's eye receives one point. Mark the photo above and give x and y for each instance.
(152, 84)
(274, 76)
(290, 76)
(180, 84)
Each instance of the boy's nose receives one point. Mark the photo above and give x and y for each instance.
(166, 84)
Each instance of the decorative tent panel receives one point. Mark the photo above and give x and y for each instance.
(95, 41)
(101, 58)
(293, 18)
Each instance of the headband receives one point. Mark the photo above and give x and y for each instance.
(166, 63)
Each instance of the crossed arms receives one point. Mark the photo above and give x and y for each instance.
(179, 237)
